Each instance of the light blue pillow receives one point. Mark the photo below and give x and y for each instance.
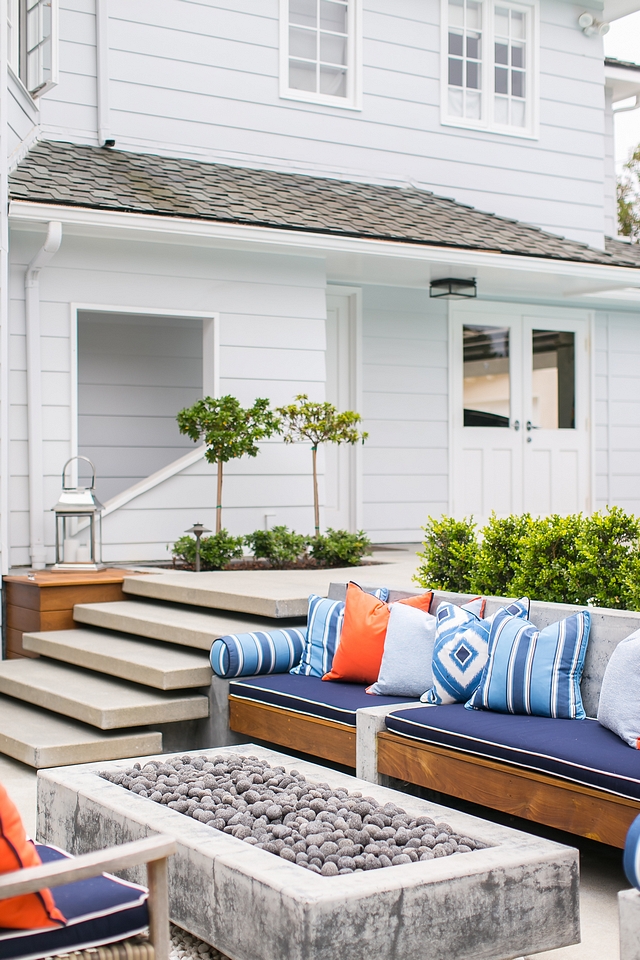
(619, 706)
(252, 654)
(460, 651)
(405, 670)
(534, 672)
(324, 626)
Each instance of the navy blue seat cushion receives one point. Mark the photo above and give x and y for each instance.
(100, 910)
(578, 750)
(312, 696)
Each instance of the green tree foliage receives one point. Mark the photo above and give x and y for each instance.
(499, 553)
(283, 547)
(605, 572)
(318, 423)
(228, 430)
(449, 555)
(547, 559)
(628, 197)
(215, 551)
(339, 548)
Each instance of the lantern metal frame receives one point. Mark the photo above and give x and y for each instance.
(452, 288)
(79, 504)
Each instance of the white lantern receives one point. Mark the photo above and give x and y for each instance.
(78, 512)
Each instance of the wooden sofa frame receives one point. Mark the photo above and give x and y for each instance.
(542, 798)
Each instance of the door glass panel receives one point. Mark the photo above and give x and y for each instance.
(487, 385)
(553, 380)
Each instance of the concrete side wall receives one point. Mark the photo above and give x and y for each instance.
(272, 343)
(202, 80)
(618, 410)
(405, 409)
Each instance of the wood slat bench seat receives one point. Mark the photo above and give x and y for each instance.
(524, 793)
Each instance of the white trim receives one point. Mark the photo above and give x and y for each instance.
(90, 222)
(487, 124)
(4, 305)
(210, 386)
(102, 69)
(154, 480)
(353, 100)
(355, 389)
(591, 427)
(451, 348)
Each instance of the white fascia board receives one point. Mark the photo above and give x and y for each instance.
(615, 9)
(103, 224)
(624, 82)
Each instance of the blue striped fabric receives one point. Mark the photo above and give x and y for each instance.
(324, 626)
(631, 858)
(251, 654)
(535, 672)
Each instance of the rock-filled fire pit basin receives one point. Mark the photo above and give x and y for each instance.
(513, 895)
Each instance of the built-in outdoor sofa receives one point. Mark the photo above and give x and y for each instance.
(574, 775)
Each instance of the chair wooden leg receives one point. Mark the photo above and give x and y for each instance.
(158, 883)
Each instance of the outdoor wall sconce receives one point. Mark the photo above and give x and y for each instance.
(452, 289)
(197, 530)
(78, 504)
(589, 25)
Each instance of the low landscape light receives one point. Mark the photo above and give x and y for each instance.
(452, 288)
(197, 530)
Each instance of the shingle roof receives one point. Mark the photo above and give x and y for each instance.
(72, 175)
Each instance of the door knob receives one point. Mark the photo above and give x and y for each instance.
(516, 425)
(531, 426)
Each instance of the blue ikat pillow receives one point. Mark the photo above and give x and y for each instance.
(324, 626)
(534, 672)
(460, 651)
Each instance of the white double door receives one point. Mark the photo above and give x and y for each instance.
(520, 391)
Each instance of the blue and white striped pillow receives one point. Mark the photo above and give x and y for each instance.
(324, 626)
(534, 672)
(251, 654)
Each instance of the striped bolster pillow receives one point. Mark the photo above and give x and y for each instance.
(631, 858)
(250, 654)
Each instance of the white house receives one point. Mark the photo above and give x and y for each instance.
(259, 197)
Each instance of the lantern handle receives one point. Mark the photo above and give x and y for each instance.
(93, 472)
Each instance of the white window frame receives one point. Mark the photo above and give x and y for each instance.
(487, 123)
(19, 56)
(353, 100)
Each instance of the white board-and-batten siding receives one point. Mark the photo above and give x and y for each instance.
(618, 410)
(272, 343)
(201, 79)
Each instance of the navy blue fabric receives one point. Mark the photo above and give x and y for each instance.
(310, 695)
(124, 904)
(579, 750)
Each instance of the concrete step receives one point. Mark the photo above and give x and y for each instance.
(93, 698)
(164, 621)
(42, 739)
(275, 594)
(162, 666)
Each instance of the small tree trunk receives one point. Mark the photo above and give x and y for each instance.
(316, 503)
(219, 501)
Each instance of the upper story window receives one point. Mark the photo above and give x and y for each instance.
(32, 36)
(490, 80)
(320, 51)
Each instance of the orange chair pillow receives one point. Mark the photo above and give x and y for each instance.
(33, 910)
(359, 653)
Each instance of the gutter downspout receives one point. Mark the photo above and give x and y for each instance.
(34, 391)
(102, 72)
(4, 302)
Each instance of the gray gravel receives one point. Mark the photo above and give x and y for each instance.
(184, 946)
(327, 831)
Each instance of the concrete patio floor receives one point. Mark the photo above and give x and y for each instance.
(601, 867)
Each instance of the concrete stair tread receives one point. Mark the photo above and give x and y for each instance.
(162, 666)
(96, 699)
(161, 621)
(41, 739)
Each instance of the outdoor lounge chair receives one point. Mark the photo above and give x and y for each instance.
(99, 910)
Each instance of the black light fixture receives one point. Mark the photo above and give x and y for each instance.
(453, 289)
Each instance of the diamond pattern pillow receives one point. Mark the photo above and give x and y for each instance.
(460, 651)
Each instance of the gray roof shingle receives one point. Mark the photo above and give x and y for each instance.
(77, 175)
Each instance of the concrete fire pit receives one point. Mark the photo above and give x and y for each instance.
(518, 896)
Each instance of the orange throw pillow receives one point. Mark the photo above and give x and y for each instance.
(33, 910)
(359, 653)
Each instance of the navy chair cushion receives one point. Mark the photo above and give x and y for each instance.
(310, 695)
(581, 751)
(100, 910)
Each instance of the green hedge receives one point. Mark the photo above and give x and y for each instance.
(580, 559)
